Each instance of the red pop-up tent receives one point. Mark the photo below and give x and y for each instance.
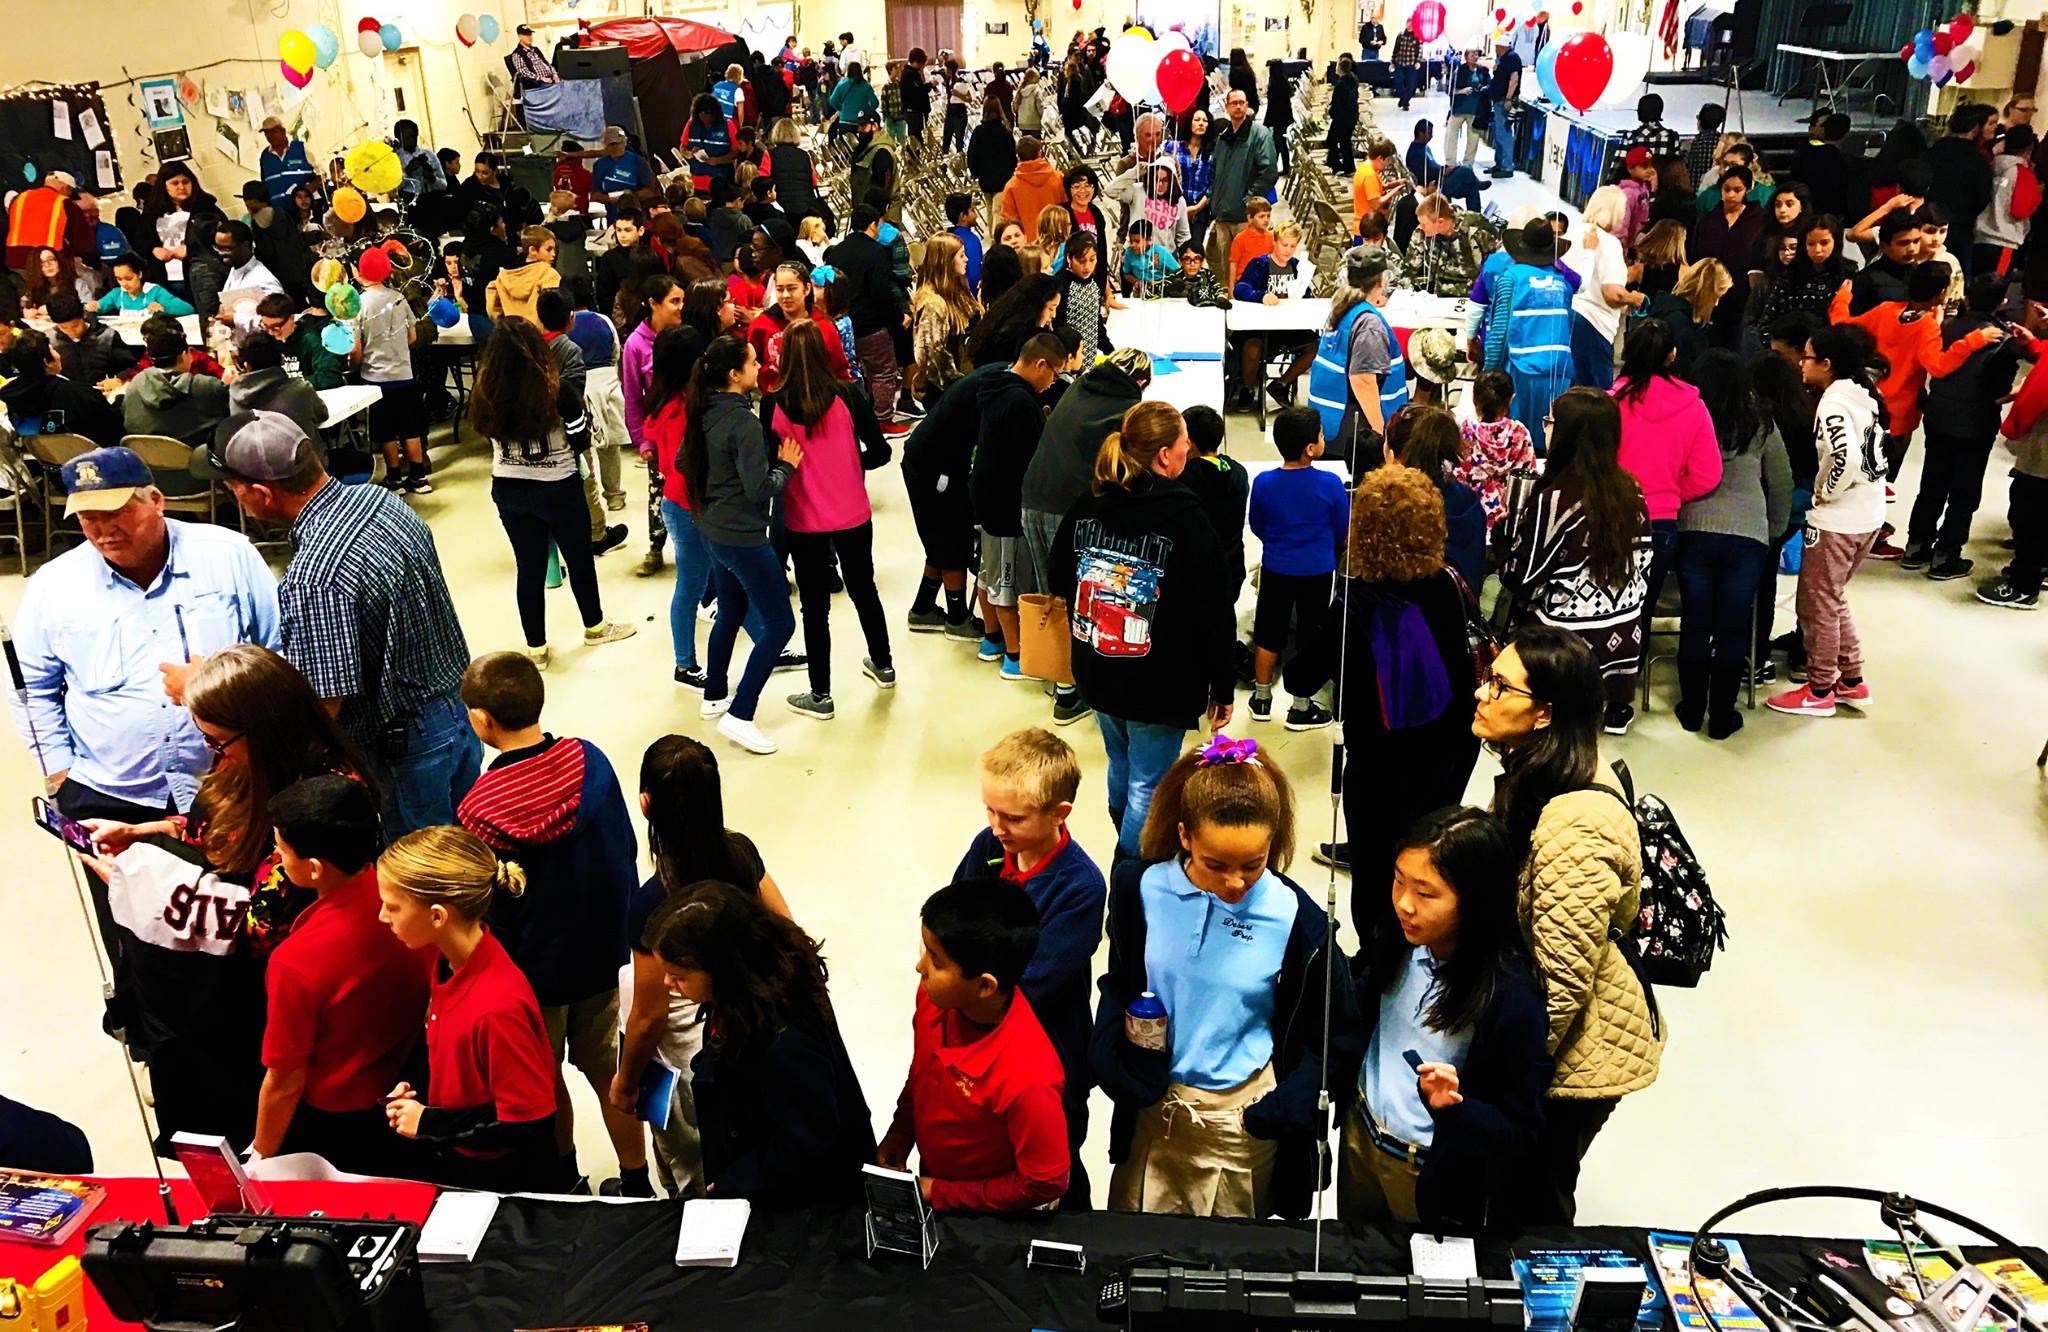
(673, 60)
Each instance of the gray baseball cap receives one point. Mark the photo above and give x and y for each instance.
(254, 446)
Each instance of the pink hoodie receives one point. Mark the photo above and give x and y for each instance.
(1668, 444)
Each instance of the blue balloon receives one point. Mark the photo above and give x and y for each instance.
(1546, 73)
(1917, 66)
(487, 27)
(29, 172)
(1923, 44)
(326, 45)
(338, 338)
(388, 34)
(443, 312)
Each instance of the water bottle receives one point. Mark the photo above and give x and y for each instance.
(1145, 1022)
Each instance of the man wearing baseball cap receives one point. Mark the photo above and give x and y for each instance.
(283, 165)
(528, 65)
(617, 172)
(106, 633)
(364, 612)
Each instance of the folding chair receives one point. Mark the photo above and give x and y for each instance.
(26, 490)
(171, 462)
(53, 451)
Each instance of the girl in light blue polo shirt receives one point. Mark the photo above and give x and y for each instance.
(1222, 1121)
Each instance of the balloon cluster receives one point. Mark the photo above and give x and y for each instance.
(473, 28)
(1949, 52)
(1159, 71)
(300, 52)
(374, 38)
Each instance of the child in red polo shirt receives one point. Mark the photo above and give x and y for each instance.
(489, 1118)
(1029, 780)
(345, 998)
(982, 1104)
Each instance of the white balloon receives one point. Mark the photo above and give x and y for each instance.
(1631, 63)
(1173, 40)
(370, 44)
(1467, 23)
(1134, 68)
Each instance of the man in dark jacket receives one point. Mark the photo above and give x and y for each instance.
(1011, 423)
(1963, 412)
(1245, 165)
(89, 351)
(40, 400)
(554, 806)
(1501, 96)
(1962, 176)
(1823, 167)
(878, 308)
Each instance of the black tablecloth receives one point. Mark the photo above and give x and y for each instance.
(553, 1264)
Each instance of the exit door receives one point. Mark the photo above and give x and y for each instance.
(407, 80)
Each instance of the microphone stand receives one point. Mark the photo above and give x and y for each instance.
(100, 955)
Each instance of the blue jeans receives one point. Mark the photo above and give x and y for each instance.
(1592, 355)
(442, 758)
(1717, 574)
(1503, 139)
(693, 575)
(1139, 754)
(749, 577)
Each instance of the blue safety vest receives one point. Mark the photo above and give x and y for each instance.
(1539, 321)
(1329, 380)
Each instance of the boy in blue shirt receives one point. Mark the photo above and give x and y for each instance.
(1146, 261)
(960, 208)
(1302, 518)
(1028, 782)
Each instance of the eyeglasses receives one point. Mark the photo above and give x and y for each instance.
(1804, 359)
(1496, 686)
(220, 747)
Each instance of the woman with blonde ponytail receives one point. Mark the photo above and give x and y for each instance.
(486, 1119)
(1147, 585)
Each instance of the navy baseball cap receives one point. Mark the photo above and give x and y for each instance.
(104, 480)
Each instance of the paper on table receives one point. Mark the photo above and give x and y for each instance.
(1450, 1258)
(60, 119)
(455, 1228)
(89, 125)
(711, 1232)
(303, 1166)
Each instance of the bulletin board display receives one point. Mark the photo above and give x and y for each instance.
(47, 127)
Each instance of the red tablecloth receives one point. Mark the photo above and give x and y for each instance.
(136, 1200)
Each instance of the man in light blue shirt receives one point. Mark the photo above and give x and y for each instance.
(106, 632)
(617, 172)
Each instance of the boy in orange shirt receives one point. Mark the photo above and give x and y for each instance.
(1908, 336)
(1256, 238)
(1371, 190)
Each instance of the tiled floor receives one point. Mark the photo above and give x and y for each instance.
(1877, 1019)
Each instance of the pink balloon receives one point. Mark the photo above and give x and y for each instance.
(1180, 79)
(1585, 65)
(1428, 20)
(295, 77)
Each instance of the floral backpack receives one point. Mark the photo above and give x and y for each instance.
(1679, 926)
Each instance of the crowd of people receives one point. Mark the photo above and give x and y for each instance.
(1686, 383)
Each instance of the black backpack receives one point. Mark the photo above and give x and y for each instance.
(1678, 926)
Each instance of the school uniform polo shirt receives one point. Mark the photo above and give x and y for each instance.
(345, 1000)
(985, 1109)
(1214, 964)
(486, 1045)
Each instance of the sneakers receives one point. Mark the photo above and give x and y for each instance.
(417, 484)
(1802, 702)
(966, 629)
(811, 705)
(714, 707)
(691, 677)
(1336, 855)
(1767, 673)
(908, 408)
(1620, 716)
(895, 429)
(1068, 708)
(609, 631)
(790, 661)
(1261, 707)
(2001, 592)
(989, 649)
(1950, 567)
(540, 656)
(650, 564)
(1308, 715)
(1012, 672)
(932, 621)
(883, 676)
(1891, 496)
(1917, 556)
(615, 503)
(1856, 696)
(745, 734)
(1885, 550)
(614, 537)
(707, 611)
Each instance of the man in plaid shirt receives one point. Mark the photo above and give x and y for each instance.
(364, 614)
(1653, 133)
(1699, 153)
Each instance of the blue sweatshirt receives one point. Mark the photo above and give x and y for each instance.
(1261, 275)
(971, 243)
(1301, 516)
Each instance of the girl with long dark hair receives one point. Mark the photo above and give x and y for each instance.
(1809, 284)
(780, 1115)
(731, 478)
(184, 217)
(535, 483)
(1581, 868)
(1723, 536)
(1280, 107)
(1448, 1140)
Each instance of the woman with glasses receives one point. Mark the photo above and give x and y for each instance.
(1404, 690)
(1539, 707)
(1580, 551)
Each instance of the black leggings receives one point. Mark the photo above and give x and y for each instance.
(812, 554)
(535, 513)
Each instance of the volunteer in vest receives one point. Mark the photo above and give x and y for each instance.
(1529, 326)
(873, 167)
(283, 164)
(1359, 379)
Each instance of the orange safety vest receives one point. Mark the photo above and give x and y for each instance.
(36, 219)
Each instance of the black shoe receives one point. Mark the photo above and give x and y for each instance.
(1336, 855)
(1692, 695)
(1501, 173)
(614, 537)
(1918, 556)
(1620, 716)
(1767, 673)
(1262, 707)
(1069, 708)
(790, 661)
(908, 408)
(1485, 184)
(1308, 715)
(2003, 593)
(691, 677)
(1950, 566)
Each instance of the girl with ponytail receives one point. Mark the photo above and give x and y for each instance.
(486, 1118)
(1148, 585)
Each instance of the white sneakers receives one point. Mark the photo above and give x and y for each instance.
(743, 733)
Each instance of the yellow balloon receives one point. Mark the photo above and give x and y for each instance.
(349, 205)
(373, 167)
(296, 49)
(326, 273)
(1136, 33)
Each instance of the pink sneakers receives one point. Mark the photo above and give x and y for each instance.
(1801, 702)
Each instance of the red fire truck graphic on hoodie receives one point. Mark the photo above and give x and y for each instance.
(1117, 590)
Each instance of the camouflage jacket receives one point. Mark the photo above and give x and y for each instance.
(1446, 265)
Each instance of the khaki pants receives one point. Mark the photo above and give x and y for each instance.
(1373, 1185)
(1221, 235)
(588, 1032)
(1191, 1155)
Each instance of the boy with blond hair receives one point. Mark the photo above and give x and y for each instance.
(1028, 782)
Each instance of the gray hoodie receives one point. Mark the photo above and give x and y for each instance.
(183, 406)
(278, 390)
(742, 474)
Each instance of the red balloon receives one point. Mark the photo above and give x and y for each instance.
(1428, 20)
(1180, 79)
(1906, 51)
(1961, 26)
(369, 25)
(1943, 43)
(1585, 65)
(1578, 7)
(1500, 16)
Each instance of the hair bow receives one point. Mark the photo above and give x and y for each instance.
(824, 275)
(1223, 750)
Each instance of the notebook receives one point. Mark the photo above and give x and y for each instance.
(711, 1232)
(455, 1228)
